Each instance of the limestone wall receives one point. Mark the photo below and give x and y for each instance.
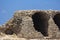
(33, 24)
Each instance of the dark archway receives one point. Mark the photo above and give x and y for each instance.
(40, 20)
(57, 20)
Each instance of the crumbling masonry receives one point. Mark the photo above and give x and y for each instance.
(33, 24)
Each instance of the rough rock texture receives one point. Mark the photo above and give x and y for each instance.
(33, 24)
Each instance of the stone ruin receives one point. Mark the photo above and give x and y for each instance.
(33, 24)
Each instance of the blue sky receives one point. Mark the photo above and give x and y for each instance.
(7, 7)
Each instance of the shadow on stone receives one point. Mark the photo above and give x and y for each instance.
(40, 21)
(9, 32)
(57, 20)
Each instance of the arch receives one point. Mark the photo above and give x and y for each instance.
(40, 20)
(56, 19)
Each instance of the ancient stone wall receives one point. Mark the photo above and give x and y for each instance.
(33, 24)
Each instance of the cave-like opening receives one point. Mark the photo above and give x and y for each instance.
(40, 21)
(57, 20)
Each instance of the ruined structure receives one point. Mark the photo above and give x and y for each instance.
(33, 24)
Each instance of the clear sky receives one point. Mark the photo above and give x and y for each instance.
(7, 7)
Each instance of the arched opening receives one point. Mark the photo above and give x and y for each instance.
(40, 20)
(57, 20)
(9, 32)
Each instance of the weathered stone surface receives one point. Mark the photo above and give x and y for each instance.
(33, 24)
